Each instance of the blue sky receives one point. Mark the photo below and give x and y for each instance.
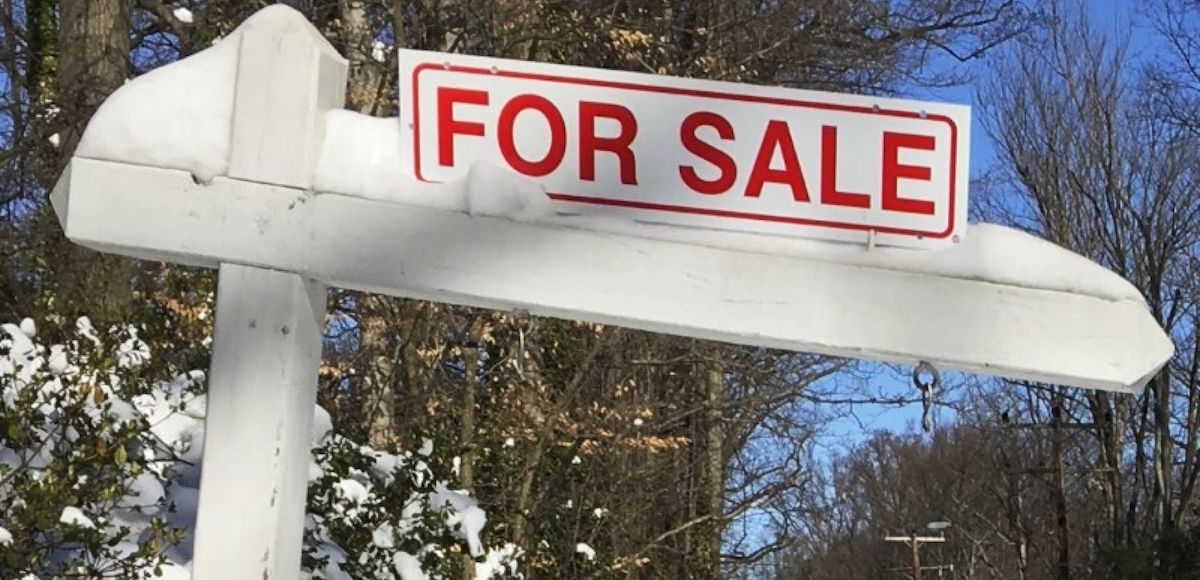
(1110, 16)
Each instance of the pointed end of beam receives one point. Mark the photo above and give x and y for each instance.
(59, 198)
(1122, 352)
(1157, 352)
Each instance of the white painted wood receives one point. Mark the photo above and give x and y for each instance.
(267, 344)
(287, 75)
(258, 430)
(721, 294)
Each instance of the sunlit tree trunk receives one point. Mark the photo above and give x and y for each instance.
(92, 62)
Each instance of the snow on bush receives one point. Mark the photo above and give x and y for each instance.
(100, 464)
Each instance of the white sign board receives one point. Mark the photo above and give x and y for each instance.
(694, 152)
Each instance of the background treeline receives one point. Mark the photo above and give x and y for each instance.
(676, 458)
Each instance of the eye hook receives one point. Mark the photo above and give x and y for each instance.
(928, 390)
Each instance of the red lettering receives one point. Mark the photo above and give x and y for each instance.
(589, 143)
(777, 136)
(894, 171)
(829, 191)
(558, 135)
(448, 127)
(697, 147)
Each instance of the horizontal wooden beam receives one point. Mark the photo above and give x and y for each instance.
(774, 301)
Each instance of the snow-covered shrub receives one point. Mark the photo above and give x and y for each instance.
(100, 463)
(395, 514)
(83, 478)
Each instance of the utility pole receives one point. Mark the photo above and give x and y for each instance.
(1060, 493)
(914, 541)
(1058, 426)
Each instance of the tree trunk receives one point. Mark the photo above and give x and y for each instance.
(1060, 493)
(705, 557)
(93, 59)
(466, 439)
(93, 62)
(1163, 461)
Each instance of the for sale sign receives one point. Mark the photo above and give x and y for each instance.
(693, 152)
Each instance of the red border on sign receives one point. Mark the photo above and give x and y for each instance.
(678, 91)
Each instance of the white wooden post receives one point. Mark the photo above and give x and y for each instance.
(258, 431)
(269, 324)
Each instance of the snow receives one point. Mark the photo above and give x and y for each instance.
(335, 557)
(173, 571)
(426, 448)
(133, 352)
(73, 516)
(179, 116)
(409, 567)
(586, 551)
(353, 490)
(383, 537)
(56, 363)
(988, 253)
(322, 425)
(183, 15)
(6, 538)
(28, 328)
(84, 327)
(361, 157)
(145, 494)
(638, 422)
(499, 561)
(379, 51)
(464, 514)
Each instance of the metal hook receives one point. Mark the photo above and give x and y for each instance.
(928, 391)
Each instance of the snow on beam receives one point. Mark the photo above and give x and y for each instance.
(779, 301)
